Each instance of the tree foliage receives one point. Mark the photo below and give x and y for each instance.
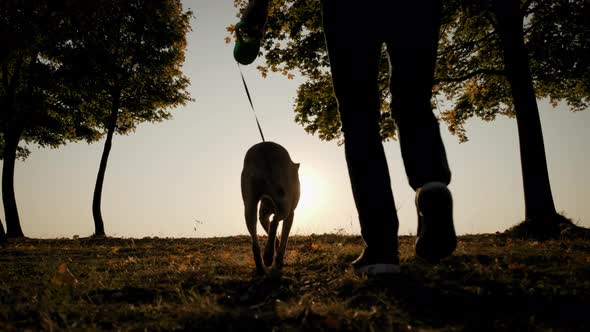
(131, 48)
(470, 77)
(471, 71)
(32, 98)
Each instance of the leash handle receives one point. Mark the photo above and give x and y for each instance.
(251, 104)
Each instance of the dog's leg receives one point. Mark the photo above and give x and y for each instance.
(250, 215)
(279, 259)
(271, 244)
(264, 213)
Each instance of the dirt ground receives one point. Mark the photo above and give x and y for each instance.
(491, 283)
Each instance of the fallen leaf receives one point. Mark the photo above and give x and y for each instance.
(132, 259)
(183, 267)
(63, 276)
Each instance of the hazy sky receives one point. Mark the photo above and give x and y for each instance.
(181, 177)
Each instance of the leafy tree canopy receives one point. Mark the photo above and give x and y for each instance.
(131, 49)
(33, 100)
(469, 76)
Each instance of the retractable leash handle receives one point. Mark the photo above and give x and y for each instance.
(251, 104)
(247, 43)
(250, 31)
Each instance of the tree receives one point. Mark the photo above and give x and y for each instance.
(477, 71)
(128, 56)
(502, 54)
(2, 235)
(539, 206)
(31, 110)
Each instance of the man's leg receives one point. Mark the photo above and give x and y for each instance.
(412, 48)
(354, 54)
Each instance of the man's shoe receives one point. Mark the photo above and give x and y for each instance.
(436, 232)
(369, 265)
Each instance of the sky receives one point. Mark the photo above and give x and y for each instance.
(181, 177)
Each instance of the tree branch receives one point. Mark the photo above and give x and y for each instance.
(470, 75)
(468, 44)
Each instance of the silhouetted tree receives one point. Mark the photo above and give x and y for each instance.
(128, 56)
(496, 56)
(484, 69)
(2, 234)
(538, 198)
(30, 105)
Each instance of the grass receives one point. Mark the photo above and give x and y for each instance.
(491, 283)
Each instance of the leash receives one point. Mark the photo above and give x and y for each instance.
(251, 104)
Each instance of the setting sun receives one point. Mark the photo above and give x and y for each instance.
(312, 189)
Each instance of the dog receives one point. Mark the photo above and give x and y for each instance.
(271, 178)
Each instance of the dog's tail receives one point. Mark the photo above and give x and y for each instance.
(268, 200)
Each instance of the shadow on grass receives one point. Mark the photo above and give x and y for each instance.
(491, 283)
(478, 304)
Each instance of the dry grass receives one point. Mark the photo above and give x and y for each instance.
(491, 283)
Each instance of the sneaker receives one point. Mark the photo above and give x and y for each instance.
(436, 232)
(369, 266)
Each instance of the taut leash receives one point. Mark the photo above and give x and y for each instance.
(251, 104)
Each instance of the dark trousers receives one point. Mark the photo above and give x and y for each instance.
(355, 33)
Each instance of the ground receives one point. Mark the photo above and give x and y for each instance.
(492, 282)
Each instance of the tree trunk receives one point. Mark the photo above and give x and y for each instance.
(11, 139)
(3, 240)
(539, 205)
(97, 198)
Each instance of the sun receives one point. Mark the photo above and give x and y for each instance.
(312, 189)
